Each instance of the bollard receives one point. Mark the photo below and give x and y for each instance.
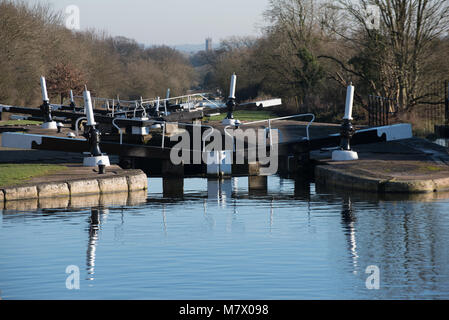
(59, 125)
(101, 167)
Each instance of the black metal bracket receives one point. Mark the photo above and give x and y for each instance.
(93, 136)
(231, 104)
(346, 132)
(73, 106)
(46, 110)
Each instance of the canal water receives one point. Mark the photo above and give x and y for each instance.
(205, 239)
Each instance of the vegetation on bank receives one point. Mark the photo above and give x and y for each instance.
(19, 123)
(245, 115)
(307, 53)
(35, 42)
(310, 50)
(11, 174)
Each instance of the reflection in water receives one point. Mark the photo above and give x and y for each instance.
(208, 217)
(110, 199)
(220, 190)
(136, 198)
(314, 238)
(173, 187)
(22, 205)
(258, 185)
(348, 221)
(53, 203)
(94, 223)
(97, 216)
(114, 199)
(85, 201)
(302, 188)
(119, 229)
(164, 219)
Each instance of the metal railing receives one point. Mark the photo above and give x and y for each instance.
(189, 98)
(132, 105)
(270, 121)
(164, 129)
(380, 110)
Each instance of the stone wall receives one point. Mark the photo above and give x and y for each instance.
(123, 182)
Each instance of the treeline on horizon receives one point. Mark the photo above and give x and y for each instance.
(308, 52)
(35, 42)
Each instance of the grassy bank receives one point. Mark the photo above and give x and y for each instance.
(11, 174)
(246, 115)
(19, 122)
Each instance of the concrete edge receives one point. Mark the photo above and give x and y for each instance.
(135, 180)
(20, 193)
(333, 177)
(50, 190)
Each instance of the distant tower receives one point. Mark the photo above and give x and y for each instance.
(209, 44)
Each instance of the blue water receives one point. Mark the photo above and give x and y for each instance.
(223, 241)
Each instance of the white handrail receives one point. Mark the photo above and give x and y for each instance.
(163, 134)
(201, 95)
(164, 123)
(119, 130)
(157, 101)
(109, 99)
(189, 96)
(269, 126)
(144, 113)
(284, 118)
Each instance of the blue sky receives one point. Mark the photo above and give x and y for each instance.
(170, 22)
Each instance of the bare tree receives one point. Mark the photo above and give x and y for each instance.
(403, 39)
(294, 36)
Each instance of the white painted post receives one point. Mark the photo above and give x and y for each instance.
(48, 124)
(44, 90)
(71, 97)
(349, 102)
(233, 85)
(88, 108)
(168, 94)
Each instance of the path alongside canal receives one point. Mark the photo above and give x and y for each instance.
(404, 166)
